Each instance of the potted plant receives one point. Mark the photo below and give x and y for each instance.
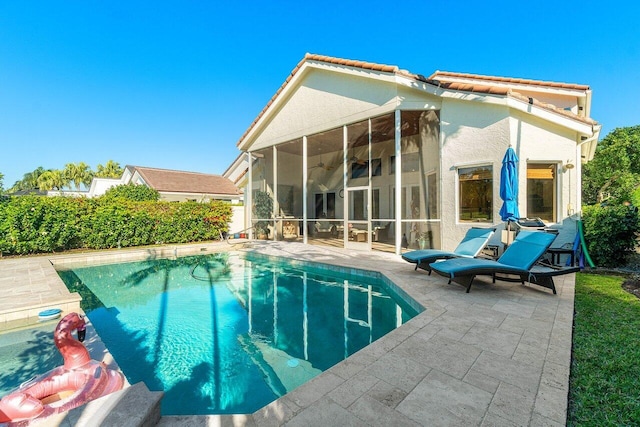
(262, 209)
(425, 239)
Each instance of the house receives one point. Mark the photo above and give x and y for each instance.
(173, 185)
(370, 156)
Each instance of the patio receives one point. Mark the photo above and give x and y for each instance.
(499, 355)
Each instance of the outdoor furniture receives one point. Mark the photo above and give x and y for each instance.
(519, 259)
(557, 252)
(325, 228)
(289, 231)
(380, 233)
(473, 242)
(359, 235)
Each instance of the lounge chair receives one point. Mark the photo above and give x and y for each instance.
(519, 259)
(470, 246)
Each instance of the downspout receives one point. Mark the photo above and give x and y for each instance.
(594, 137)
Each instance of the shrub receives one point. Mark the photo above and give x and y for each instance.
(610, 233)
(32, 224)
(139, 193)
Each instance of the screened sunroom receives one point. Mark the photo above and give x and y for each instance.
(372, 184)
(360, 155)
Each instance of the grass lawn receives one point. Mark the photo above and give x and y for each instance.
(604, 387)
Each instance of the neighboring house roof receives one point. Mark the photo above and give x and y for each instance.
(166, 180)
(490, 85)
(30, 192)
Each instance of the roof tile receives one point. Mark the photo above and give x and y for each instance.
(166, 180)
(442, 75)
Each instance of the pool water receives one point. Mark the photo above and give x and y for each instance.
(225, 333)
(25, 354)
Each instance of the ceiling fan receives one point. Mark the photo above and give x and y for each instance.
(355, 159)
(323, 166)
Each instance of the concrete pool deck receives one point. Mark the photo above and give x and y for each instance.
(498, 356)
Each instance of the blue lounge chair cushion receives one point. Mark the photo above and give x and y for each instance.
(422, 254)
(463, 266)
(519, 258)
(473, 242)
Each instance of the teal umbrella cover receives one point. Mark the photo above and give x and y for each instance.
(509, 186)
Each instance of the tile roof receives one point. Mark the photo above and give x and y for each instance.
(444, 75)
(439, 79)
(166, 180)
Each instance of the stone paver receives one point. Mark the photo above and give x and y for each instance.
(498, 356)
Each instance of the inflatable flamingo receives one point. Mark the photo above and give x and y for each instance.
(65, 387)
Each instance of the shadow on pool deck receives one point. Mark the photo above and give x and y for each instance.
(499, 355)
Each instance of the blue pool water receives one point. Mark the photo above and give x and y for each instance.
(25, 354)
(228, 334)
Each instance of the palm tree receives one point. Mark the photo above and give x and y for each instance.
(78, 173)
(110, 170)
(29, 180)
(52, 179)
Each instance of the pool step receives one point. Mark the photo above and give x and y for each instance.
(29, 286)
(133, 406)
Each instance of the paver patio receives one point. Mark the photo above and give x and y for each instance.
(498, 356)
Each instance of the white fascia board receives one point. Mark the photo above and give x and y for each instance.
(237, 163)
(587, 104)
(421, 86)
(384, 76)
(520, 105)
(473, 96)
(201, 195)
(137, 177)
(547, 115)
(517, 87)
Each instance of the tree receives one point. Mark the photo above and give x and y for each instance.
(110, 170)
(78, 173)
(52, 179)
(614, 172)
(1, 183)
(29, 180)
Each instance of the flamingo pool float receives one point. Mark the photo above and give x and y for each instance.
(78, 381)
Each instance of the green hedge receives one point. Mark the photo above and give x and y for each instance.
(611, 233)
(32, 224)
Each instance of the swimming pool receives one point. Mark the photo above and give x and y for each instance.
(226, 333)
(27, 353)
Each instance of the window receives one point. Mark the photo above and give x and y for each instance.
(325, 205)
(476, 193)
(541, 191)
(360, 169)
(410, 163)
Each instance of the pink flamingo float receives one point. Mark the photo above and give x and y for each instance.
(75, 383)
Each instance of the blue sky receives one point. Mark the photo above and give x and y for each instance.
(176, 84)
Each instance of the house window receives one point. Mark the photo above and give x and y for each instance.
(360, 169)
(541, 191)
(325, 205)
(476, 193)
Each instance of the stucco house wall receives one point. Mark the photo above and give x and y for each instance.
(472, 134)
(324, 100)
(479, 118)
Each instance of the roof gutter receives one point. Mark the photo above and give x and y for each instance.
(591, 149)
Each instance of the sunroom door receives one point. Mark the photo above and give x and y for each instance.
(357, 233)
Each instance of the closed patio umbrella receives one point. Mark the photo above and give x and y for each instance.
(509, 188)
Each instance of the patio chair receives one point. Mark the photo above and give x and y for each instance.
(519, 259)
(470, 246)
